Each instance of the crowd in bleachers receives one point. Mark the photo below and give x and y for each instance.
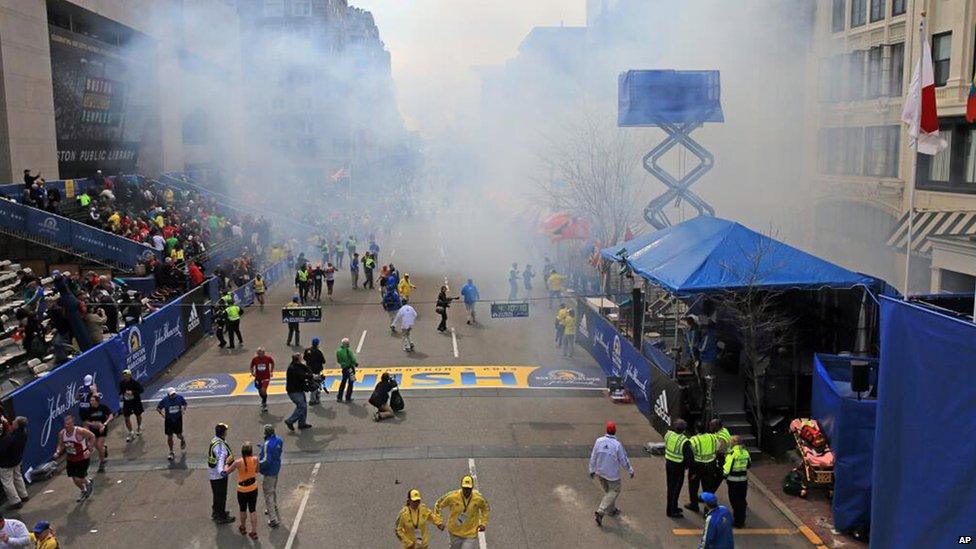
(47, 320)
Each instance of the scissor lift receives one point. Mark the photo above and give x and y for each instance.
(678, 102)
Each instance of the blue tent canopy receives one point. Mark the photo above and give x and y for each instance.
(708, 254)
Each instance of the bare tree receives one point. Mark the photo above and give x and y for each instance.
(756, 312)
(593, 169)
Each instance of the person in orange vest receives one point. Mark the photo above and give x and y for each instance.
(247, 488)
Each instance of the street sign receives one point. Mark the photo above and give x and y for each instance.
(510, 309)
(301, 314)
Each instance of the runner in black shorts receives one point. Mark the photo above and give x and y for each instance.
(75, 443)
(130, 393)
(95, 418)
(172, 407)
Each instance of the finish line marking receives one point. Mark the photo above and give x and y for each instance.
(740, 532)
(362, 338)
(454, 342)
(301, 508)
(482, 543)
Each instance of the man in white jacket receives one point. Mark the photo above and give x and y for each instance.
(405, 317)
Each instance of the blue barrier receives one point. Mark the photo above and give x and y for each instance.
(146, 349)
(656, 395)
(39, 224)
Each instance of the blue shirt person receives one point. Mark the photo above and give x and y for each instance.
(469, 292)
(269, 464)
(718, 524)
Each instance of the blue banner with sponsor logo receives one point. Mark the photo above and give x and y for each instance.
(656, 395)
(146, 349)
(46, 401)
(39, 224)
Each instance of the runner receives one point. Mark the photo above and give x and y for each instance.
(247, 488)
(95, 418)
(329, 279)
(172, 407)
(130, 393)
(88, 388)
(259, 289)
(75, 443)
(262, 367)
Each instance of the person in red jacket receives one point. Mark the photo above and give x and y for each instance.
(196, 274)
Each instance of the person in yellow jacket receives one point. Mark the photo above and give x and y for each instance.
(405, 287)
(569, 333)
(42, 536)
(467, 514)
(411, 523)
(259, 289)
(559, 324)
(737, 463)
(555, 282)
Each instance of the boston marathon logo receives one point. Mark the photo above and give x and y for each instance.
(49, 225)
(565, 378)
(136, 358)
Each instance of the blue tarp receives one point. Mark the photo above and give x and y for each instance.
(655, 97)
(849, 426)
(924, 478)
(708, 254)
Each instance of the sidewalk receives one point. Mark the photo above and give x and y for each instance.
(813, 511)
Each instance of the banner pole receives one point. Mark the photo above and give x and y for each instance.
(914, 174)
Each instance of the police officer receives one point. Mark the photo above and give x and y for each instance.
(702, 472)
(724, 446)
(301, 282)
(234, 312)
(220, 323)
(678, 456)
(293, 327)
(737, 462)
(218, 456)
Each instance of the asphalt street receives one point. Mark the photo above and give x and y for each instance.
(345, 479)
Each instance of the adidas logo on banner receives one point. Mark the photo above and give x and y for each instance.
(661, 408)
(194, 319)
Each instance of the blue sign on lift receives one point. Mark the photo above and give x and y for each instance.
(510, 309)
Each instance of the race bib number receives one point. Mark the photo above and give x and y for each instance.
(261, 367)
(174, 409)
(70, 449)
(128, 395)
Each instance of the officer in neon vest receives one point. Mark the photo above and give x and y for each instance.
(703, 472)
(737, 462)
(234, 313)
(301, 282)
(678, 456)
(724, 446)
(218, 456)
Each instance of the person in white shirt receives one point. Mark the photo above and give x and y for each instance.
(405, 317)
(606, 461)
(13, 533)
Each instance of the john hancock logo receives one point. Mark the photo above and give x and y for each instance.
(615, 354)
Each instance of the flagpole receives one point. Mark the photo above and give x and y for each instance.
(914, 174)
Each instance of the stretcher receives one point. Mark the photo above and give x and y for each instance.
(817, 467)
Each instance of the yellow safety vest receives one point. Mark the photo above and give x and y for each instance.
(704, 446)
(725, 437)
(736, 463)
(303, 276)
(259, 286)
(674, 445)
(212, 453)
(234, 312)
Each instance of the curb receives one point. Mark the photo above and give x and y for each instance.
(807, 532)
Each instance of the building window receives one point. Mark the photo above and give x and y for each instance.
(855, 75)
(941, 44)
(859, 12)
(837, 16)
(301, 8)
(897, 7)
(881, 151)
(877, 10)
(852, 151)
(969, 156)
(896, 74)
(274, 8)
(874, 72)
